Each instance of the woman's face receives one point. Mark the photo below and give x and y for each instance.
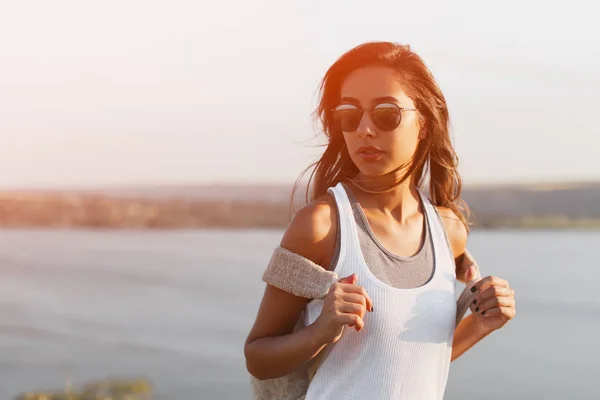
(373, 147)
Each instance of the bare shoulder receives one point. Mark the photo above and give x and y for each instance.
(456, 230)
(312, 231)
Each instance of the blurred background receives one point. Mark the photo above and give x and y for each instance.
(149, 150)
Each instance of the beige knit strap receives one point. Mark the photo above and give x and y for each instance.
(465, 300)
(298, 275)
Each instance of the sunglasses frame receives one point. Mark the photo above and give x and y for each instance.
(370, 111)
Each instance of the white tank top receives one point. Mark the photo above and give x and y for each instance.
(404, 350)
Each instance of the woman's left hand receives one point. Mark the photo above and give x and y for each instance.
(494, 305)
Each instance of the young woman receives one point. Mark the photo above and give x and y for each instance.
(385, 216)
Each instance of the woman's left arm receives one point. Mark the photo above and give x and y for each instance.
(494, 306)
(494, 303)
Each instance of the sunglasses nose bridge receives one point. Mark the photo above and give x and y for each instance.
(366, 127)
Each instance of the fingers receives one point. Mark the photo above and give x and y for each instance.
(471, 274)
(506, 313)
(352, 288)
(353, 308)
(494, 291)
(490, 281)
(467, 260)
(470, 268)
(493, 302)
(494, 297)
(351, 320)
(349, 279)
(355, 298)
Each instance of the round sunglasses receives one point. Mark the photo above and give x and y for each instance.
(385, 116)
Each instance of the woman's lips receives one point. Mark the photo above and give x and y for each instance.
(369, 153)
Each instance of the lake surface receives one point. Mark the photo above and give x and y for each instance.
(175, 307)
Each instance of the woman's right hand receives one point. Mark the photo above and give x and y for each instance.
(345, 304)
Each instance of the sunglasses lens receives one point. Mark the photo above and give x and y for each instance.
(387, 117)
(347, 117)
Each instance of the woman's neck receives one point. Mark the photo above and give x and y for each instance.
(400, 201)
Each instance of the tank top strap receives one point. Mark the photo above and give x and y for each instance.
(439, 237)
(347, 225)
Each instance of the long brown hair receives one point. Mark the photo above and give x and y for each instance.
(434, 154)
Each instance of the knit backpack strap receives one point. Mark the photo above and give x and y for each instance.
(465, 301)
(298, 275)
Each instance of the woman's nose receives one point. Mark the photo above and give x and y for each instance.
(365, 127)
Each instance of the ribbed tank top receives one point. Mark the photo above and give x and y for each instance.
(397, 271)
(404, 350)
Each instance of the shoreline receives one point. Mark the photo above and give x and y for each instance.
(529, 225)
(98, 211)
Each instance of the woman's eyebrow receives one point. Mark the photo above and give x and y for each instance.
(385, 99)
(351, 100)
(378, 100)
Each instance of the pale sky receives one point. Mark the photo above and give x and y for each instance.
(118, 92)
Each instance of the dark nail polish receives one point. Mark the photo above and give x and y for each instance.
(371, 308)
(474, 301)
(483, 313)
(477, 309)
(473, 289)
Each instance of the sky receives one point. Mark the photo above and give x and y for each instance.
(124, 92)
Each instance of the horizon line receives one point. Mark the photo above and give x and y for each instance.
(546, 183)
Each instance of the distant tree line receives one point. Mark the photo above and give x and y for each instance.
(99, 211)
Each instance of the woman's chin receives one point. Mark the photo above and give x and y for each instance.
(373, 171)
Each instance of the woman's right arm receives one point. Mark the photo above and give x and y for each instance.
(272, 348)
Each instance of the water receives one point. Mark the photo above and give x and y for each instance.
(176, 306)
